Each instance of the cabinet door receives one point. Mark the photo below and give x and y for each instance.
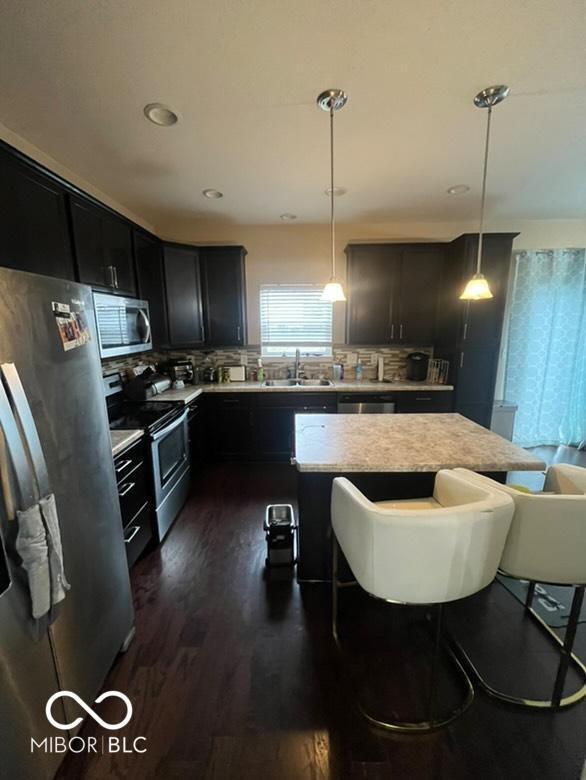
(417, 295)
(373, 274)
(117, 249)
(274, 432)
(151, 283)
(483, 319)
(475, 380)
(231, 430)
(33, 213)
(88, 241)
(223, 287)
(183, 291)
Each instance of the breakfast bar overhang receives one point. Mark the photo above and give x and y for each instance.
(387, 456)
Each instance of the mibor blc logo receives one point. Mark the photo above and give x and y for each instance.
(77, 744)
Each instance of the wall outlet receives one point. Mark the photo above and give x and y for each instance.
(352, 358)
(373, 359)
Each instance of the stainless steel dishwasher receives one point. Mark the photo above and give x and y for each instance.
(366, 403)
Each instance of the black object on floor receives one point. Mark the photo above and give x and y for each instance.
(551, 602)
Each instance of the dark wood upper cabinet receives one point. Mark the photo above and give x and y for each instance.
(417, 299)
(469, 332)
(372, 275)
(392, 293)
(33, 216)
(183, 289)
(148, 254)
(103, 247)
(223, 292)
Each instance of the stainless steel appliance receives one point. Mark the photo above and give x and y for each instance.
(165, 424)
(56, 359)
(124, 326)
(366, 403)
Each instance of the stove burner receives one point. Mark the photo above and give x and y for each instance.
(144, 415)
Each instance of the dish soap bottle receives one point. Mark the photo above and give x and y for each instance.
(260, 373)
(359, 372)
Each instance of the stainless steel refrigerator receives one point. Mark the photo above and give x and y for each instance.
(47, 331)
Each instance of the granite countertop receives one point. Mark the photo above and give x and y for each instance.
(403, 443)
(190, 392)
(123, 439)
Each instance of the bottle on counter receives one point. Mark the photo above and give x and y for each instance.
(260, 373)
(359, 371)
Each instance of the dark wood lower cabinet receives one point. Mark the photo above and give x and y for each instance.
(134, 480)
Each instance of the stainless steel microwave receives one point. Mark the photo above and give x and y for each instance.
(123, 325)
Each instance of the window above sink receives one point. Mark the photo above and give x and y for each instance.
(293, 316)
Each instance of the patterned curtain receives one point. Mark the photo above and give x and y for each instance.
(545, 370)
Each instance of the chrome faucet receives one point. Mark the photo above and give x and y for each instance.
(297, 360)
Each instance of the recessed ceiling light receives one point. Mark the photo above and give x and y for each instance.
(288, 217)
(458, 189)
(161, 115)
(338, 191)
(213, 194)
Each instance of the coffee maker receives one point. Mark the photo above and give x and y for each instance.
(180, 370)
(417, 363)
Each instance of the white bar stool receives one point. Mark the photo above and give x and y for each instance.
(547, 544)
(420, 552)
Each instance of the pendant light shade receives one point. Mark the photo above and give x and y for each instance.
(333, 291)
(477, 288)
(332, 100)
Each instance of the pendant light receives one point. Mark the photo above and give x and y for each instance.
(332, 100)
(477, 288)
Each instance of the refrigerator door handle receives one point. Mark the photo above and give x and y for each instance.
(17, 456)
(27, 424)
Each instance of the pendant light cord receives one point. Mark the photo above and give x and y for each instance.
(483, 195)
(332, 229)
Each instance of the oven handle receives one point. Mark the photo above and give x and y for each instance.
(171, 427)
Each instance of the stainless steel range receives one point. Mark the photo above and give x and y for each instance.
(165, 425)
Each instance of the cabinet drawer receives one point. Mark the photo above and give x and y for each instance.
(295, 400)
(434, 401)
(232, 400)
(128, 461)
(138, 533)
(132, 493)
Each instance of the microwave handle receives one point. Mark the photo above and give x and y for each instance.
(147, 326)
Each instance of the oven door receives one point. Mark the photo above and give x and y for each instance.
(123, 325)
(170, 451)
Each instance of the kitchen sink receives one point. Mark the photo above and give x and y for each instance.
(297, 383)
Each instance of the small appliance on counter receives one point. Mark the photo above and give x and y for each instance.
(417, 363)
(180, 370)
(146, 385)
(237, 373)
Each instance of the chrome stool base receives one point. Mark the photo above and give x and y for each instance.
(406, 726)
(567, 659)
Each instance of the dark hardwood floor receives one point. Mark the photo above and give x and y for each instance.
(233, 673)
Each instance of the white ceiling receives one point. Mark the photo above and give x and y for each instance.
(244, 74)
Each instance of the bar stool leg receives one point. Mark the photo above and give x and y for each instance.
(566, 651)
(530, 594)
(335, 587)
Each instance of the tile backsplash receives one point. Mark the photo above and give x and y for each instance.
(394, 358)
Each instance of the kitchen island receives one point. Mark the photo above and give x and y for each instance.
(387, 456)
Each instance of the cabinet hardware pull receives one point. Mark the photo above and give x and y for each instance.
(461, 360)
(203, 337)
(401, 331)
(135, 530)
(127, 488)
(392, 331)
(465, 331)
(238, 333)
(423, 398)
(123, 466)
(115, 276)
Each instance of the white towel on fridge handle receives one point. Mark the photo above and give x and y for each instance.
(31, 545)
(59, 584)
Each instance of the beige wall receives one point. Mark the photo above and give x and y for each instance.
(300, 253)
